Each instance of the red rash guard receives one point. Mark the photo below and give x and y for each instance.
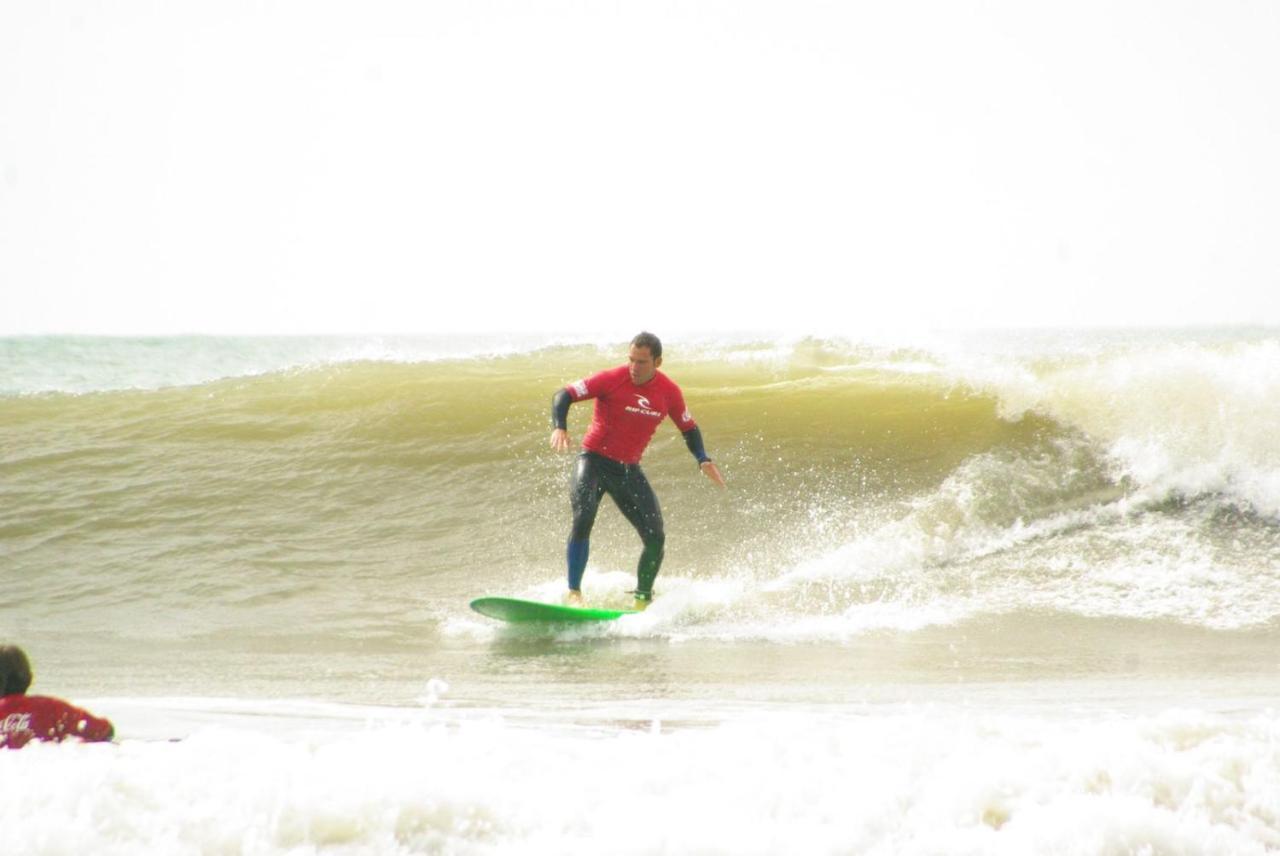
(24, 718)
(626, 415)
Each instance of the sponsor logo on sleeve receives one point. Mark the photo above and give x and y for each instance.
(580, 388)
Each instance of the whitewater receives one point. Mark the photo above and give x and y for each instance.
(966, 593)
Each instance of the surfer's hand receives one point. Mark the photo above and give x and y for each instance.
(712, 472)
(560, 440)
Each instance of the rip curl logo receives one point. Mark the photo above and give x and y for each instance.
(580, 388)
(686, 416)
(645, 408)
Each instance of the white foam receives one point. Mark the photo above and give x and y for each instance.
(1191, 419)
(906, 780)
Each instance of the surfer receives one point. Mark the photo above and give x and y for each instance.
(631, 401)
(24, 718)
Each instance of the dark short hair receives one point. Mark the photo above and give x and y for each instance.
(15, 670)
(650, 341)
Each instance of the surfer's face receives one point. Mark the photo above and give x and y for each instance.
(643, 365)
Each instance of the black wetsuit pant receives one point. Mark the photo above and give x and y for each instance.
(596, 475)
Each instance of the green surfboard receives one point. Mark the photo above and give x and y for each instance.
(532, 611)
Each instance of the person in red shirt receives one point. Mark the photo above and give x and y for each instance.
(631, 401)
(24, 718)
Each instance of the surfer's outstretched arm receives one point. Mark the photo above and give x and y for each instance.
(560, 420)
(693, 439)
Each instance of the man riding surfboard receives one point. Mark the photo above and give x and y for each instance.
(631, 401)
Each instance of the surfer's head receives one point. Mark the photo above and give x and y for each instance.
(15, 670)
(645, 357)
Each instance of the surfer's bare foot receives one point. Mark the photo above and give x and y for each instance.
(640, 605)
(573, 598)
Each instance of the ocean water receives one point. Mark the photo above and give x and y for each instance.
(966, 593)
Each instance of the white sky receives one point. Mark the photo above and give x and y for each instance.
(513, 165)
